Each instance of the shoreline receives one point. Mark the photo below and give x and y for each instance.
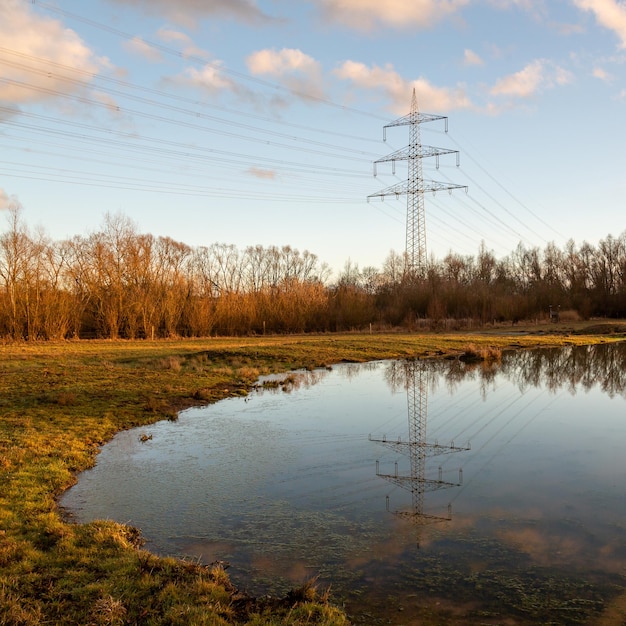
(64, 400)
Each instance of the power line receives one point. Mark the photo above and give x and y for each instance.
(508, 192)
(90, 76)
(169, 107)
(186, 150)
(167, 120)
(171, 102)
(196, 59)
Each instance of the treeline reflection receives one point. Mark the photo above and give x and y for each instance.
(572, 367)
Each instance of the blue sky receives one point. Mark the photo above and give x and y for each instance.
(247, 123)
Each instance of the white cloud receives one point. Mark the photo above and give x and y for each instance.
(471, 58)
(560, 76)
(44, 54)
(4, 199)
(601, 74)
(532, 79)
(567, 29)
(367, 14)
(109, 103)
(609, 13)
(297, 71)
(532, 6)
(398, 90)
(278, 63)
(9, 202)
(264, 174)
(522, 84)
(538, 9)
(208, 77)
(189, 48)
(189, 11)
(138, 46)
(493, 109)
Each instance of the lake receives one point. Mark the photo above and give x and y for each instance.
(431, 491)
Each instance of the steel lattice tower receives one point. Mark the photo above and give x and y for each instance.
(417, 405)
(415, 214)
(418, 448)
(415, 185)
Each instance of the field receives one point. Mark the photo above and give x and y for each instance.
(59, 402)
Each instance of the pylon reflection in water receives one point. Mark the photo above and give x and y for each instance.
(418, 450)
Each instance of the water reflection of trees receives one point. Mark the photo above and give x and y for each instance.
(290, 381)
(571, 367)
(450, 373)
(352, 370)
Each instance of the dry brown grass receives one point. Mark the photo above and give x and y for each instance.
(172, 363)
(108, 611)
(570, 315)
(489, 354)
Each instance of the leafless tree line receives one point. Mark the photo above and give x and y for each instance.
(585, 279)
(119, 282)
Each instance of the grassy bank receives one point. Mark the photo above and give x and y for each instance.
(60, 401)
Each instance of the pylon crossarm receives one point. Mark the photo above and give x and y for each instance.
(427, 484)
(402, 189)
(422, 152)
(433, 485)
(435, 185)
(428, 449)
(398, 155)
(400, 481)
(399, 189)
(392, 444)
(397, 446)
(416, 118)
(435, 449)
(421, 518)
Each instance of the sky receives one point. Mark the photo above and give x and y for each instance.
(252, 122)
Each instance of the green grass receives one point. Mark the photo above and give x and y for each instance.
(60, 401)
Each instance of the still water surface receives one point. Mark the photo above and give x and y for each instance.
(285, 485)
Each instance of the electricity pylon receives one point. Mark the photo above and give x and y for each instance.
(418, 449)
(415, 186)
